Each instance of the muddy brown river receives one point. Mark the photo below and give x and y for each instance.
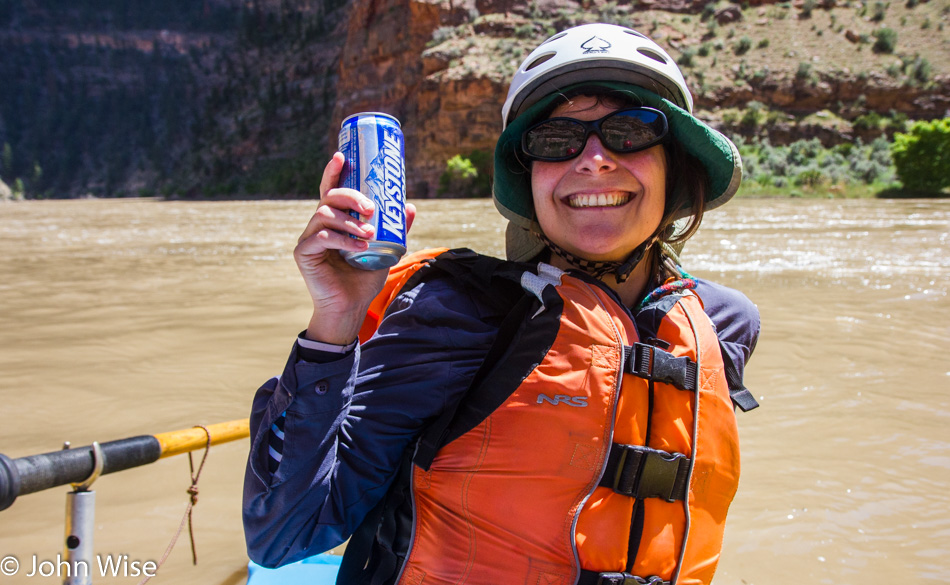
(120, 318)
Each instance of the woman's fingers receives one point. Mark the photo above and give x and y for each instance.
(331, 174)
(333, 224)
(410, 215)
(338, 220)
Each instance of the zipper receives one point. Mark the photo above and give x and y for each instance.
(412, 503)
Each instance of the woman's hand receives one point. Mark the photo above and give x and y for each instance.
(341, 293)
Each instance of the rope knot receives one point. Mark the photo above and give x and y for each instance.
(193, 491)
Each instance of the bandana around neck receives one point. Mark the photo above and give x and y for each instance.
(600, 268)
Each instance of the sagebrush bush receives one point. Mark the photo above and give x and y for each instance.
(807, 163)
(686, 57)
(886, 40)
(742, 47)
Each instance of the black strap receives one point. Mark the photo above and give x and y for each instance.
(500, 281)
(642, 472)
(376, 550)
(741, 396)
(436, 434)
(655, 364)
(595, 578)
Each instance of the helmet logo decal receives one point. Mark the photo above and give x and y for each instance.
(595, 45)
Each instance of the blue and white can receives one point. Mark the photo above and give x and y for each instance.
(375, 152)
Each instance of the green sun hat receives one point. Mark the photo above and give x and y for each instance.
(511, 190)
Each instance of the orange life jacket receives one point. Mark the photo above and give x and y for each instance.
(597, 456)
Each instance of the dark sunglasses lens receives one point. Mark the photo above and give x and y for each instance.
(555, 139)
(630, 130)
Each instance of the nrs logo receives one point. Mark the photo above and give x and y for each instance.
(579, 401)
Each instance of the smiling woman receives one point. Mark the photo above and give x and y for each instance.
(600, 204)
(563, 416)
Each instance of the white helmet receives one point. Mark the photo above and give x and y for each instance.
(616, 53)
(597, 57)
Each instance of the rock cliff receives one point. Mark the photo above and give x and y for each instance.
(228, 97)
(443, 69)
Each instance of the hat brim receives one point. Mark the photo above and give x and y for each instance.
(511, 189)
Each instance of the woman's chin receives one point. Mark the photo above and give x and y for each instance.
(601, 249)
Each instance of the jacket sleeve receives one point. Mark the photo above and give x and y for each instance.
(348, 422)
(736, 319)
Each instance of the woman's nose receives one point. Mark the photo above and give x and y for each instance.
(595, 158)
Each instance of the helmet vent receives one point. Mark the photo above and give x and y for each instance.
(554, 38)
(540, 60)
(636, 34)
(652, 54)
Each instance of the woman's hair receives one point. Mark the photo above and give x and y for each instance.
(686, 184)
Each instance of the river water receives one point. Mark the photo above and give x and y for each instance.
(120, 318)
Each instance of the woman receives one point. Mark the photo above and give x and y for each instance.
(564, 419)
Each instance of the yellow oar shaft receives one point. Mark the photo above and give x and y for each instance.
(178, 442)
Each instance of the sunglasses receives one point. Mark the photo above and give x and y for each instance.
(625, 131)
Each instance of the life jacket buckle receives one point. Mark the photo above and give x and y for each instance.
(656, 364)
(642, 472)
(628, 579)
(660, 471)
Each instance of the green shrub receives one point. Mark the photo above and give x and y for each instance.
(807, 7)
(467, 176)
(880, 11)
(922, 156)
(844, 149)
(804, 152)
(897, 122)
(754, 114)
(760, 76)
(742, 47)
(458, 176)
(686, 57)
(524, 31)
(869, 121)
(441, 34)
(917, 69)
(886, 40)
(804, 71)
(806, 163)
(810, 178)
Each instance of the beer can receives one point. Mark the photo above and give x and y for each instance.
(375, 153)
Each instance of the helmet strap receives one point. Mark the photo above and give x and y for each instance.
(600, 268)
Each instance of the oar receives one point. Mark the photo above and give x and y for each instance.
(33, 473)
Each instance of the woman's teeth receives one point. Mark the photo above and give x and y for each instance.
(598, 199)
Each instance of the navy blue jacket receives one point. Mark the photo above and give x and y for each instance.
(349, 420)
